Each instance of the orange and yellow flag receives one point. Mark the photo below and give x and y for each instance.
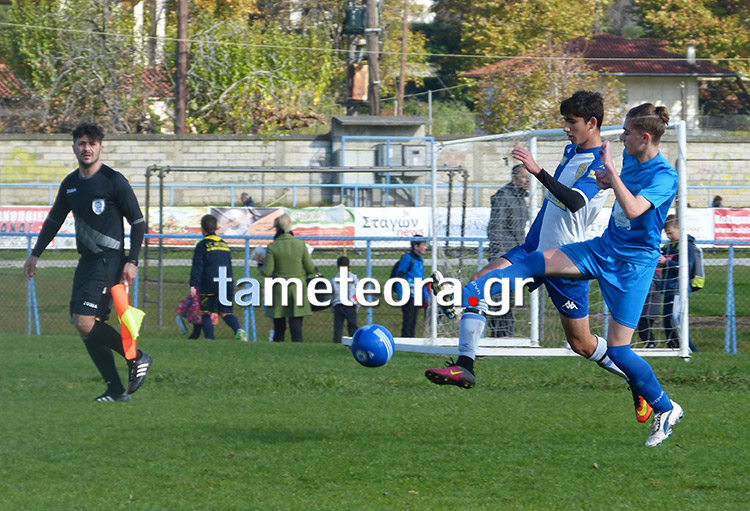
(130, 320)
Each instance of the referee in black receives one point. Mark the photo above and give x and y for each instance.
(99, 198)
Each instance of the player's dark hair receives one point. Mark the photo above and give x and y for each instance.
(89, 129)
(416, 242)
(586, 104)
(208, 224)
(649, 119)
(342, 261)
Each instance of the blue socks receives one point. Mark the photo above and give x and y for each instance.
(231, 321)
(641, 377)
(600, 357)
(208, 326)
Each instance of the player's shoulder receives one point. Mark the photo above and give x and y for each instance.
(71, 177)
(111, 173)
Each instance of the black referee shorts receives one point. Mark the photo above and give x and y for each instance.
(91, 284)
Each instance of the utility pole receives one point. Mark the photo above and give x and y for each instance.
(402, 79)
(180, 93)
(373, 38)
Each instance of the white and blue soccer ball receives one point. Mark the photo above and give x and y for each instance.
(373, 345)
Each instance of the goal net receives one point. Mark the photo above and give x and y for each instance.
(534, 328)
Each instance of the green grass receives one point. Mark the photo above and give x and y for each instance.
(260, 426)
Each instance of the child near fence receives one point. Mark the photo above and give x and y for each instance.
(189, 309)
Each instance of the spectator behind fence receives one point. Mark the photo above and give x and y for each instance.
(344, 310)
(246, 200)
(506, 229)
(411, 267)
(211, 254)
(718, 202)
(288, 258)
(669, 262)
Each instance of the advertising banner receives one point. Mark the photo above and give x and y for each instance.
(475, 222)
(177, 221)
(29, 219)
(731, 224)
(244, 221)
(337, 221)
(391, 222)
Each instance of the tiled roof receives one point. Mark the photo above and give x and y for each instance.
(155, 80)
(611, 54)
(9, 85)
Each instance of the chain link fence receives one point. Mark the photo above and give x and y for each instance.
(719, 313)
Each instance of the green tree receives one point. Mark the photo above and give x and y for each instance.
(83, 64)
(254, 78)
(499, 27)
(526, 93)
(720, 29)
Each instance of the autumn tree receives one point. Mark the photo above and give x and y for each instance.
(720, 30)
(498, 27)
(253, 75)
(76, 60)
(526, 92)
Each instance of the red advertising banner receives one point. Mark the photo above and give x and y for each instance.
(731, 224)
(26, 219)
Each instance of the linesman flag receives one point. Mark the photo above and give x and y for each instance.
(130, 320)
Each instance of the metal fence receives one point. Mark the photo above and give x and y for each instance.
(289, 194)
(40, 306)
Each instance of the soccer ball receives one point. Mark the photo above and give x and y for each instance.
(373, 345)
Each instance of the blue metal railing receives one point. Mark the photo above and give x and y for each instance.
(235, 189)
(32, 312)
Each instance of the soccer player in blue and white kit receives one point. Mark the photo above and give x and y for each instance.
(572, 202)
(624, 257)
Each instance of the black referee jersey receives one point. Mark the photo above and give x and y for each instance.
(99, 204)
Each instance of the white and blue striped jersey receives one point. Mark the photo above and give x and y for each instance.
(555, 225)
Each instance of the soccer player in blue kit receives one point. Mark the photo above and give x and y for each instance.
(572, 202)
(623, 258)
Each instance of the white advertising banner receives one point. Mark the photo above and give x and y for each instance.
(391, 222)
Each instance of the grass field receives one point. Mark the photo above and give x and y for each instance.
(260, 426)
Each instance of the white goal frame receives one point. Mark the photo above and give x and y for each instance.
(530, 346)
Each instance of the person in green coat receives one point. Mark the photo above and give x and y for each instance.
(287, 258)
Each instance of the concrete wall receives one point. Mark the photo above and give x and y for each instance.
(47, 159)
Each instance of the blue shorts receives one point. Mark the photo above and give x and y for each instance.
(624, 285)
(570, 296)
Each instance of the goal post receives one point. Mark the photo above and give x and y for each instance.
(437, 341)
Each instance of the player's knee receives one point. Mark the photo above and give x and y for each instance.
(84, 324)
(582, 345)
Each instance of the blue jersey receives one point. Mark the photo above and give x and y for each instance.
(627, 239)
(555, 225)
